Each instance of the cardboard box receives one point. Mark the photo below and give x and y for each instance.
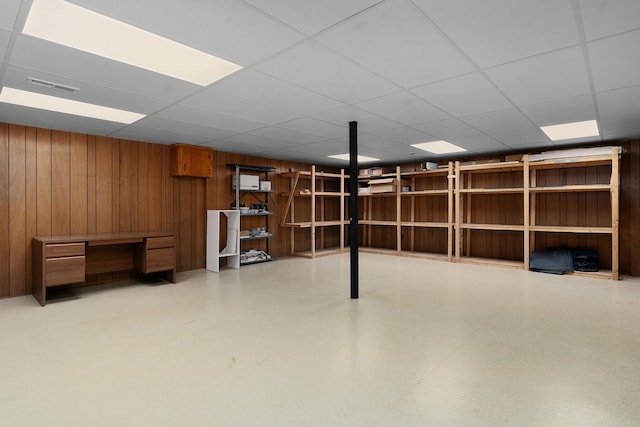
(383, 185)
(247, 182)
(430, 166)
(370, 172)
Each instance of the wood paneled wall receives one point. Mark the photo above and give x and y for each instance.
(54, 182)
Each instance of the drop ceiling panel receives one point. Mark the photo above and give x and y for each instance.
(316, 127)
(206, 25)
(4, 42)
(528, 137)
(208, 118)
(499, 121)
(392, 35)
(310, 17)
(569, 110)
(604, 18)
(615, 61)
(325, 148)
(203, 133)
(493, 32)
(404, 108)
(543, 78)
(366, 121)
(73, 64)
(156, 135)
(620, 126)
(17, 77)
(316, 67)
(229, 105)
(478, 144)
(52, 120)
(260, 142)
(293, 137)
(619, 102)
(464, 95)
(447, 129)
(268, 90)
(9, 13)
(404, 135)
(237, 146)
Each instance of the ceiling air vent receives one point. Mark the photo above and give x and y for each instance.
(52, 85)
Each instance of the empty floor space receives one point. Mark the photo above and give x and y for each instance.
(281, 344)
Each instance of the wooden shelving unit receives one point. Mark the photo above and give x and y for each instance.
(525, 196)
(314, 186)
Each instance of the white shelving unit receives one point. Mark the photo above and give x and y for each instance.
(231, 251)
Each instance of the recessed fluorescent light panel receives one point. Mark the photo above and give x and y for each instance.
(571, 130)
(439, 147)
(73, 26)
(361, 159)
(68, 106)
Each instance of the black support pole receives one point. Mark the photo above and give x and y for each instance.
(353, 206)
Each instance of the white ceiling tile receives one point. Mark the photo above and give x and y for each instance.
(464, 95)
(268, 90)
(403, 135)
(316, 67)
(324, 148)
(17, 77)
(229, 105)
(543, 78)
(50, 58)
(4, 42)
(310, 17)
(604, 18)
(202, 133)
(499, 121)
(205, 25)
(404, 108)
(316, 127)
(366, 121)
(577, 109)
(392, 35)
(518, 138)
(447, 129)
(208, 118)
(619, 102)
(615, 61)
(493, 32)
(260, 141)
(478, 144)
(620, 126)
(9, 13)
(280, 134)
(156, 135)
(238, 145)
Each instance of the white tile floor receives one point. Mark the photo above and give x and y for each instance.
(281, 344)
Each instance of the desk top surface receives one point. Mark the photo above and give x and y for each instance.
(95, 237)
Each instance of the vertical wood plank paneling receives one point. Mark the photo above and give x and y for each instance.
(104, 185)
(91, 185)
(17, 211)
(126, 178)
(155, 188)
(4, 211)
(168, 193)
(141, 216)
(115, 177)
(31, 200)
(79, 179)
(200, 231)
(44, 184)
(61, 185)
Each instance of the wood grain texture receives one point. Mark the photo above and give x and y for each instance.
(17, 211)
(60, 183)
(4, 211)
(79, 184)
(31, 199)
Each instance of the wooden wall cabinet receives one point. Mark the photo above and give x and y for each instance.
(190, 160)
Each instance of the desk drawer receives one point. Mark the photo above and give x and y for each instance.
(55, 250)
(64, 271)
(159, 260)
(160, 242)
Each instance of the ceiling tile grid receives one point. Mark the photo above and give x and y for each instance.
(482, 75)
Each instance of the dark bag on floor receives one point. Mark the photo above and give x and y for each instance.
(585, 259)
(552, 260)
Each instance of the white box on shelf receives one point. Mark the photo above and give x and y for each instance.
(247, 182)
(265, 185)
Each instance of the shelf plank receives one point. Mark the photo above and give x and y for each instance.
(317, 224)
(571, 188)
(571, 162)
(425, 224)
(256, 237)
(495, 227)
(498, 167)
(425, 255)
(492, 262)
(318, 253)
(376, 222)
(425, 193)
(492, 190)
(426, 172)
(570, 229)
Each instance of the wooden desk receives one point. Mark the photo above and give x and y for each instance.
(66, 260)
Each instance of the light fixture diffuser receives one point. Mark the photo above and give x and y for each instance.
(361, 159)
(571, 130)
(67, 106)
(73, 26)
(439, 147)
